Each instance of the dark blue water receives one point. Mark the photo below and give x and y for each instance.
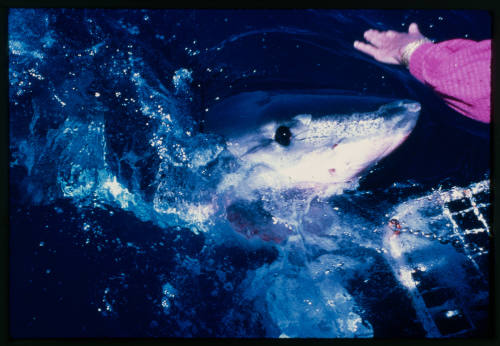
(111, 169)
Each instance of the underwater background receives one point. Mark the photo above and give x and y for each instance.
(111, 178)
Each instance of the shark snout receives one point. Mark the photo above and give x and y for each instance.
(412, 106)
(402, 114)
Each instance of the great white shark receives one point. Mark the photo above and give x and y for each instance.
(305, 143)
(315, 140)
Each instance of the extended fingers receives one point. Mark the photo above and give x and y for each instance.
(373, 36)
(413, 29)
(390, 34)
(365, 48)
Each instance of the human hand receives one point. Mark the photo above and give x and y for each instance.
(389, 46)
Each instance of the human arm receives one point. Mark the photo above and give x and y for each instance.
(458, 70)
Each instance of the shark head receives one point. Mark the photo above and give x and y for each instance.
(310, 139)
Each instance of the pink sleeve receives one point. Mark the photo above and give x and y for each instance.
(460, 71)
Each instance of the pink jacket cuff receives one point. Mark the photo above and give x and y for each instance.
(459, 71)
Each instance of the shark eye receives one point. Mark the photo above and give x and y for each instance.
(283, 135)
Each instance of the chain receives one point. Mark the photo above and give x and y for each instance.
(395, 226)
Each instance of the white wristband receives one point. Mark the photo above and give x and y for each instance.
(408, 50)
